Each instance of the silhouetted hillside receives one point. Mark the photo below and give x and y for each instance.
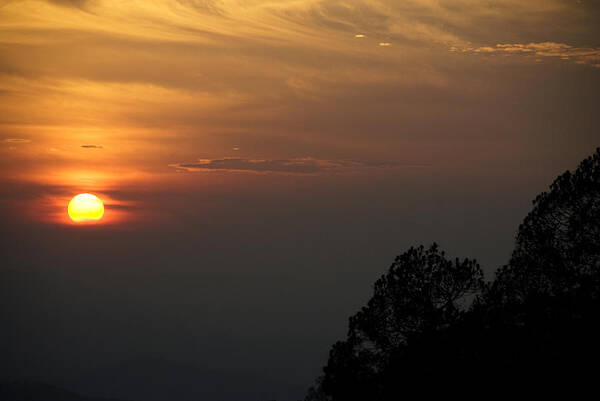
(26, 390)
(152, 378)
(433, 326)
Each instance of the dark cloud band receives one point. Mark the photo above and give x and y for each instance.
(286, 166)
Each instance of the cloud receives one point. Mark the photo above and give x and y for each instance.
(215, 7)
(92, 146)
(17, 140)
(384, 44)
(289, 75)
(579, 55)
(69, 3)
(306, 165)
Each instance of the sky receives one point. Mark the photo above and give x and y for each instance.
(261, 162)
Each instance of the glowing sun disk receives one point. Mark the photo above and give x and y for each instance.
(85, 207)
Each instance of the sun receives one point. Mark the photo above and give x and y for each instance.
(85, 208)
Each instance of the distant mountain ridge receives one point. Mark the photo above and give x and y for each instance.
(31, 390)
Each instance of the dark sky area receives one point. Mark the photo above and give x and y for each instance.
(261, 163)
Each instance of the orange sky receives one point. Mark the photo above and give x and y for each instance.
(98, 94)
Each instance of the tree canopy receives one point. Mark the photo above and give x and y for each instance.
(422, 293)
(557, 248)
(433, 322)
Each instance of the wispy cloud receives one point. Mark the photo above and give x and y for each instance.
(579, 55)
(69, 3)
(17, 140)
(304, 76)
(306, 165)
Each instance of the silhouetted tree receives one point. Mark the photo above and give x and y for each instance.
(558, 244)
(422, 293)
(542, 309)
(535, 327)
(557, 252)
